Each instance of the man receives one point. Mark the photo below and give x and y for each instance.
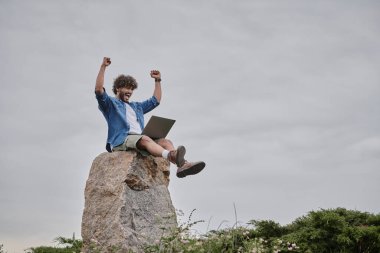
(125, 120)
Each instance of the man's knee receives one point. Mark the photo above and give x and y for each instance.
(144, 141)
(164, 142)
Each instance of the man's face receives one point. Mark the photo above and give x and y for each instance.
(124, 93)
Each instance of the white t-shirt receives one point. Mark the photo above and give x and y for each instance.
(132, 120)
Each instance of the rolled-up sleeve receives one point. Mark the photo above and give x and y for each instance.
(103, 100)
(149, 104)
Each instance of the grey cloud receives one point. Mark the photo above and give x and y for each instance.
(280, 100)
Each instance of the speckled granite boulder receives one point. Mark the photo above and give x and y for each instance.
(127, 203)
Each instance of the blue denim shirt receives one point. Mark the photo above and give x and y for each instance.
(114, 111)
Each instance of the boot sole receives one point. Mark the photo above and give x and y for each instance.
(180, 158)
(195, 169)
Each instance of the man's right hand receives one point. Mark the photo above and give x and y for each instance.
(106, 61)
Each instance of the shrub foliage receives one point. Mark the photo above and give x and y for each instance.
(323, 231)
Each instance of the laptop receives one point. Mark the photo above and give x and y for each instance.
(158, 127)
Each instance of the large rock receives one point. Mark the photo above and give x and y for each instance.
(127, 203)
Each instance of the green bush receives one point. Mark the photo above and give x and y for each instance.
(323, 231)
(68, 245)
(331, 230)
(336, 230)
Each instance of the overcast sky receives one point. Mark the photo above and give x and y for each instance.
(280, 98)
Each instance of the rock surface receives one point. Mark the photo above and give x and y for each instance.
(127, 203)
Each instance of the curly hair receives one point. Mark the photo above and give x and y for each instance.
(124, 81)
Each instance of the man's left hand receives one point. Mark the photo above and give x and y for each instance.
(155, 74)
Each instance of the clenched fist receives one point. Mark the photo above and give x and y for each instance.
(106, 61)
(155, 74)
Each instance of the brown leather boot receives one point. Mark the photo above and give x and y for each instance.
(190, 169)
(178, 156)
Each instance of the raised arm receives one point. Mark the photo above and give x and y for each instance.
(157, 84)
(100, 78)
